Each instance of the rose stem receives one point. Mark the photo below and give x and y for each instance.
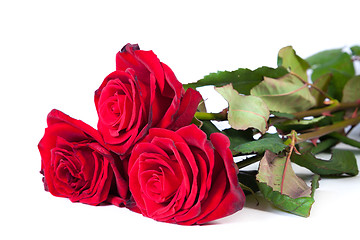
(211, 116)
(320, 111)
(292, 146)
(345, 139)
(313, 86)
(249, 161)
(221, 116)
(321, 131)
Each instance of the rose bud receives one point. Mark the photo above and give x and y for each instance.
(181, 177)
(142, 93)
(76, 165)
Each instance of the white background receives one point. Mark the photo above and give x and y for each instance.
(55, 54)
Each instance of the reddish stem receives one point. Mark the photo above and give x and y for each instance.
(287, 162)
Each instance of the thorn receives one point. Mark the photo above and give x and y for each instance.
(225, 111)
(296, 151)
(328, 113)
(314, 141)
(354, 114)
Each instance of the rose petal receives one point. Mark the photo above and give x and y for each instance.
(188, 107)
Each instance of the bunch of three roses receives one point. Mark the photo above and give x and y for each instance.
(145, 155)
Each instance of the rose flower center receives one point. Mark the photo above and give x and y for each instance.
(159, 178)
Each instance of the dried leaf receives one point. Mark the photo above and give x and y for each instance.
(287, 94)
(288, 58)
(245, 111)
(274, 172)
(351, 91)
(279, 185)
(321, 83)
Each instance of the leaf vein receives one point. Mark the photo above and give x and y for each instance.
(285, 94)
(257, 114)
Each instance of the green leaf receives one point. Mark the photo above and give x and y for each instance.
(343, 63)
(208, 127)
(287, 94)
(279, 185)
(242, 79)
(314, 184)
(321, 83)
(301, 125)
(344, 139)
(337, 82)
(248, 178)
(304, 122)
(288, 58)
(341, 162)
(268, 141)
(355, 50)
(341, 68)
(351, 91)
(245, 111)
(299, 206)
(332, 59)
(238, 137)
(286, 129)
(324, 56)
(283, 115)
(324, 145)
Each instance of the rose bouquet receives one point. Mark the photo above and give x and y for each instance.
(156, 150)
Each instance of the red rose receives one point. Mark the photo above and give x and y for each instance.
(181, 177)
(142, 93)
(75, 164)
